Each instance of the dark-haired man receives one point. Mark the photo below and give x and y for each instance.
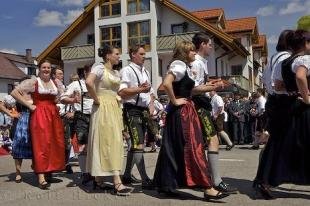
(203, 46)
(135, 91)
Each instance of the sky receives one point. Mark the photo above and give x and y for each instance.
(35, 24)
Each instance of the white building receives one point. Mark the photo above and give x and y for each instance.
(158, 24)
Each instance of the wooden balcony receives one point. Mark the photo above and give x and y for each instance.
(77, 52)
(239, 80)
(168, 42)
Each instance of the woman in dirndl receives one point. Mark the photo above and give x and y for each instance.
(46, 127)
(181, 161)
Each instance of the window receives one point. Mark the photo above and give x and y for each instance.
(222, 68)
(31, 71)
(179, 28)
(90, 38)
(138, 6)
(139, 33)
(148, 67)
(10, 88)
(236, 70)
(110, 8)
(111, 35)
(158, 28)
(80, 72)
(160, 67)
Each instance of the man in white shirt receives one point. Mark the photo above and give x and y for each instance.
(203, 106)
(135, 91)
(261, 119)
(76, 94)
(219, 116)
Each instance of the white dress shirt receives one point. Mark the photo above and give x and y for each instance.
(200, 67)
(75, 87)
(129, 80)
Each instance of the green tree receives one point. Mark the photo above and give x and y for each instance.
(304, 23)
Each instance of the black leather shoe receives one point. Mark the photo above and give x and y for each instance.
(264, 191)
(218, 196)
(130, 180)
(69, 169)
(222, 187)
(147, 184)
(86, 177)
(255, 147)
(229, 147)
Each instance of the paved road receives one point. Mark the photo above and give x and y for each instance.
(238, 168)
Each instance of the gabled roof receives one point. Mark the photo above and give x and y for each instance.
(241, 25)
(52, 52)
(208, 13)
(228, 40)
(262, 44)
(8, 70)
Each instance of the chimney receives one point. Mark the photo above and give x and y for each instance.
(29, 55)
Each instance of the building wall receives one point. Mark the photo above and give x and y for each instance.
(72, 66)
(81, 37)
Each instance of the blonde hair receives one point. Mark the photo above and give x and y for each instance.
(182, 50)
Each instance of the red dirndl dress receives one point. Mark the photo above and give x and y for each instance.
(47, 134)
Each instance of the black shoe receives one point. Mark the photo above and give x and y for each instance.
(131, 180)
(86, 178)
(222, 187)
(264, 191)
(126, 191)
(147, 184)
(255, 147)
(218, 196)
(69, 169)
(229, 147)
(44, 185)
(101, 186)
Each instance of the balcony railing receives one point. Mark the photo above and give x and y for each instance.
(168, 42)
(239, 80)
(77, 52)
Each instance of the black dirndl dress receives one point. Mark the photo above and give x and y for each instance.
(181, 161)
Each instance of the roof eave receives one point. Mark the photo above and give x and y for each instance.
(69, 29)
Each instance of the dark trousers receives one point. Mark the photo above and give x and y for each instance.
(238, 135)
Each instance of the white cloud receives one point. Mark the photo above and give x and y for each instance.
(48, 18)
(11, 51)
(294, 7)
(71, 2)
(273, 39)
(71, 16)
(54, 18)
(266, 11)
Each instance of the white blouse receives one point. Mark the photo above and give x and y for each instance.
(179, 68)
(302, 61)
(28, 86)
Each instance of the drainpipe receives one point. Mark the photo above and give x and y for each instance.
(217, 58)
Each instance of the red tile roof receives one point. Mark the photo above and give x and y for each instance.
(208, 13)
(241, 25)
(8, 69)
(261, 41)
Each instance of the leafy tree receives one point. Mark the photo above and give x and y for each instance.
(304, 23)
